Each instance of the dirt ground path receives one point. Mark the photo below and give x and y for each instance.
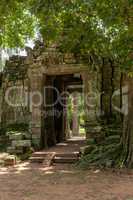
(63, 182)
(28, 181)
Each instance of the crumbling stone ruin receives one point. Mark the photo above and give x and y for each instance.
(48, 67)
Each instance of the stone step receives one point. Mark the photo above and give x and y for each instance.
(44, 154)
(71, 155)
(45, 158)
(40, 154)
(48, 161)
(65, 159)
(36, 159)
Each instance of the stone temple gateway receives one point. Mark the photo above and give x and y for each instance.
(24, 80)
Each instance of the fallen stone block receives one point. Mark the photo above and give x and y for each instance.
(21, 143)
(16, 136)
(15, 150)
(10, 161)
(10, 150)
(27, 135)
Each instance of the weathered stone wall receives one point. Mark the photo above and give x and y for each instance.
(109, 85)
(29, 73)
(14, 107)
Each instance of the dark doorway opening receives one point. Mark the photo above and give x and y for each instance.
(58, 89)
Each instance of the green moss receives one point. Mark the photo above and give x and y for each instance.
(15, 127)
(18, 127)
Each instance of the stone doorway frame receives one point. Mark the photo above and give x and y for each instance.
(37, 77)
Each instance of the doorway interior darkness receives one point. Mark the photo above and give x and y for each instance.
(57, 90)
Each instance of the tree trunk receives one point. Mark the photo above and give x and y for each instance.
(107, 88)
(121, 95)
(127, 138)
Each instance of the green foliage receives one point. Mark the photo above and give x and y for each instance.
(106, 153)
(15, 127)
(18, 127)
(102, 156)
(27, 153)
(3, 147)
(16, 23)
(99, 28)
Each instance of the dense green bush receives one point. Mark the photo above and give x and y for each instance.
(104, 154)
